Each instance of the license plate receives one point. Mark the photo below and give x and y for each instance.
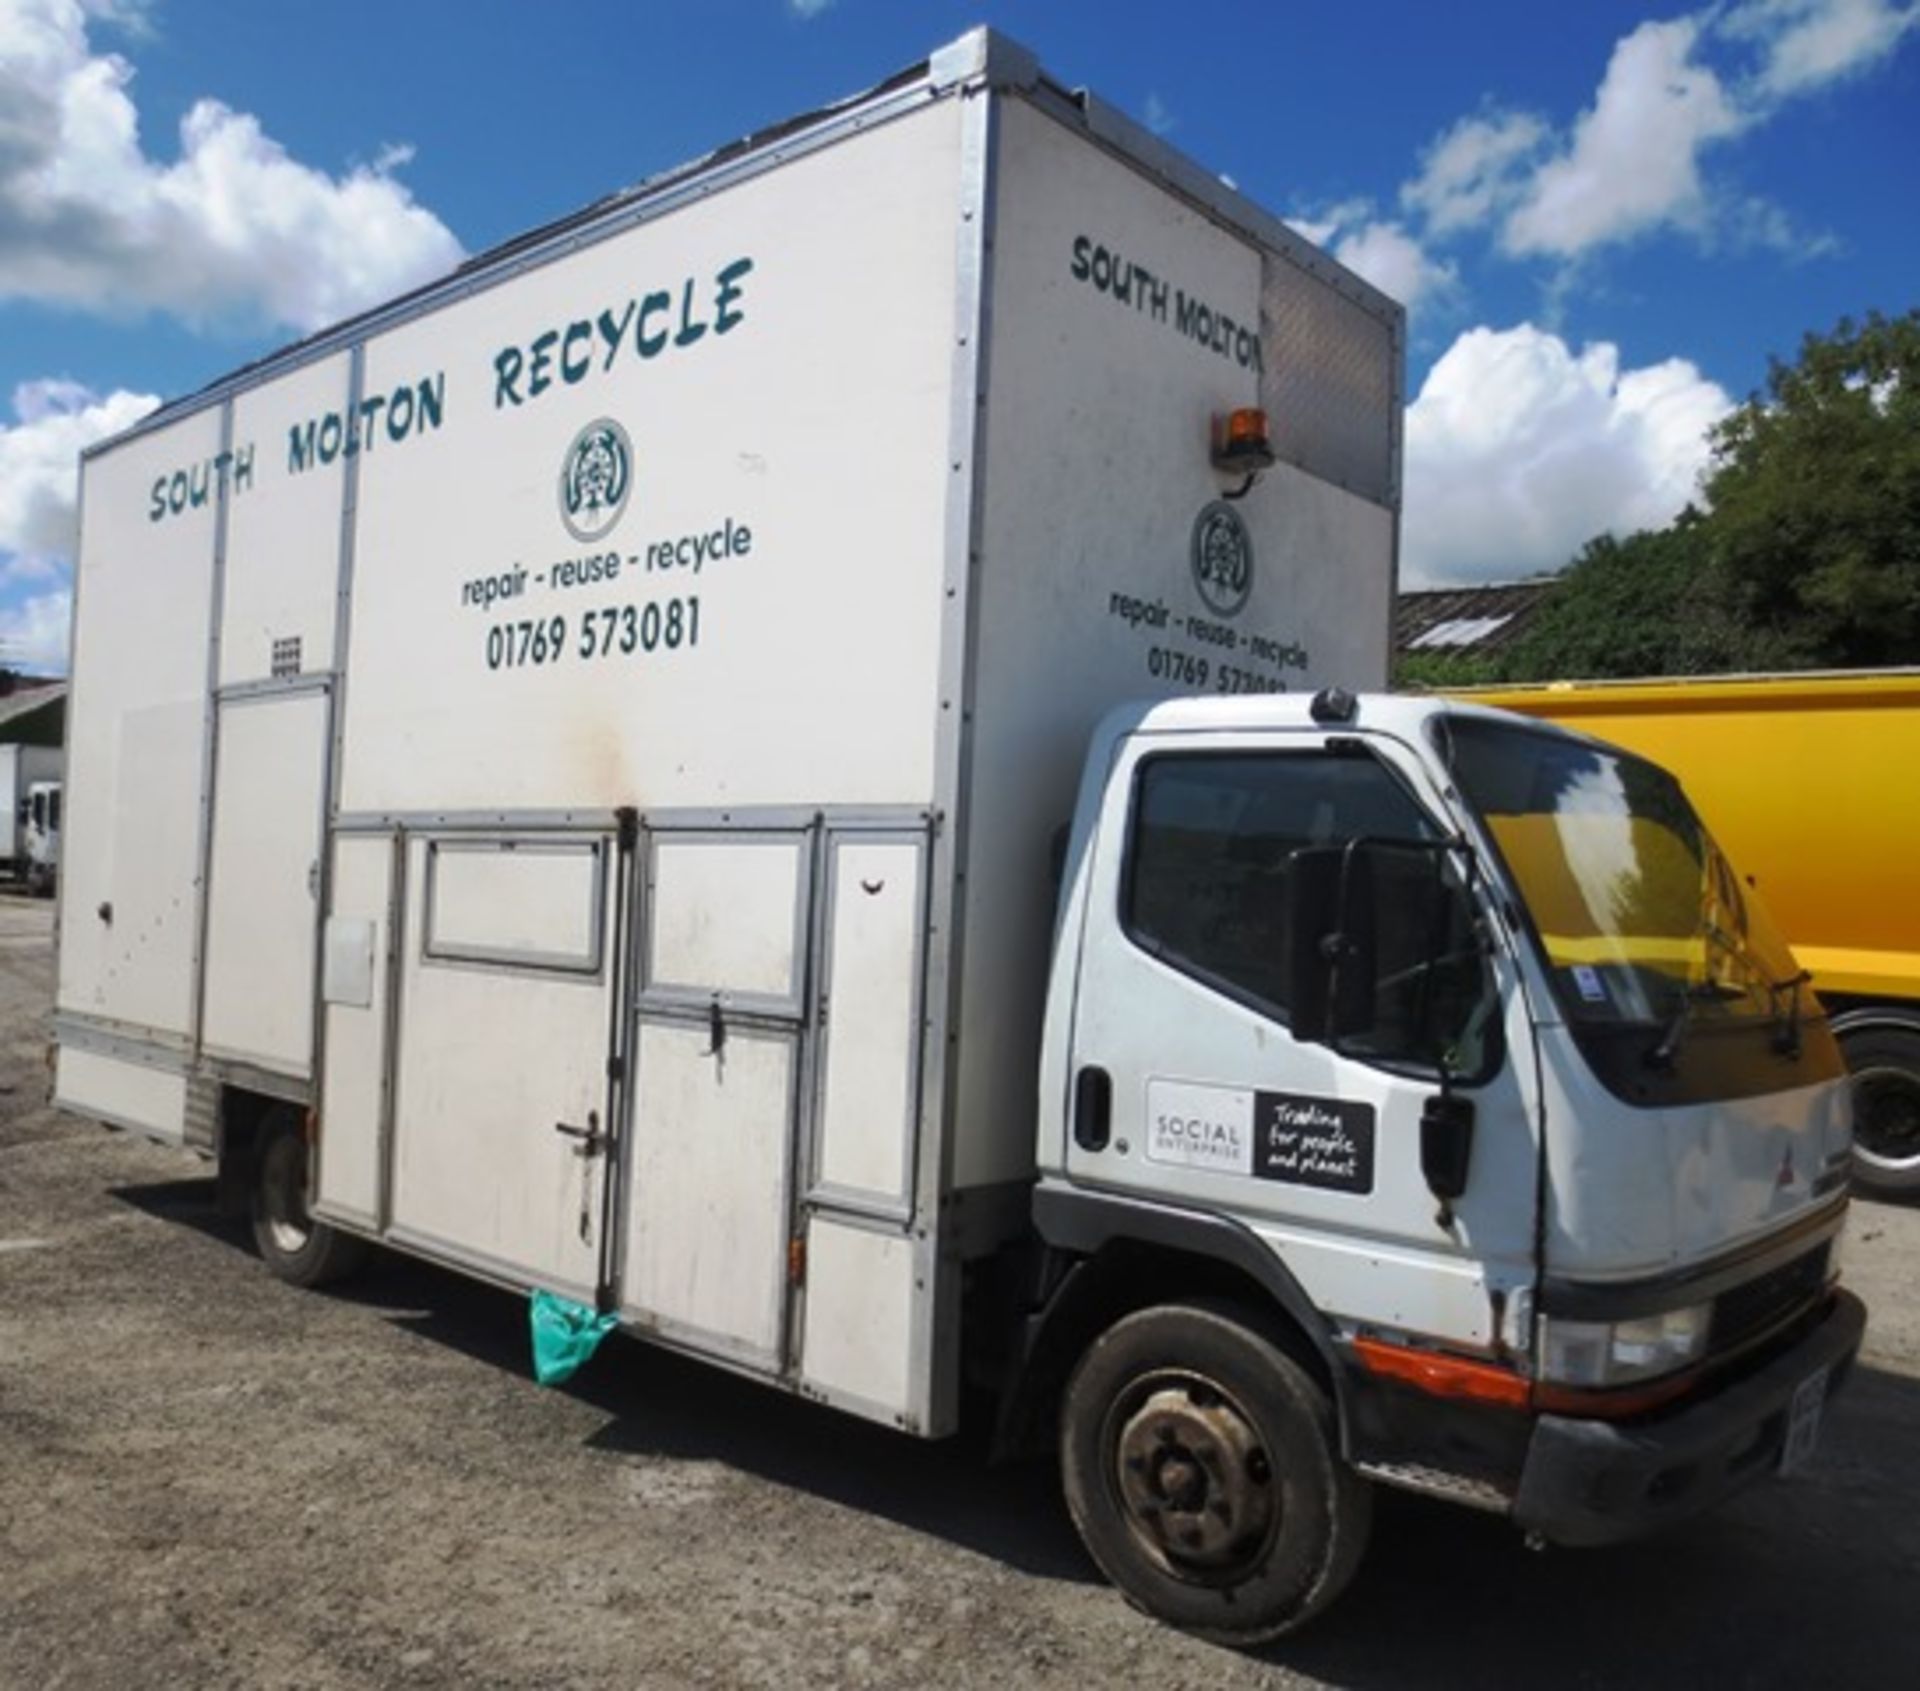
(1803, 1423)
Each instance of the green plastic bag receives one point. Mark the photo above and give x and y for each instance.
(565, 1334)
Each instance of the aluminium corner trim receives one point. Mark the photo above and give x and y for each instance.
(123, 1045)
(934, 1333)
(209, 744)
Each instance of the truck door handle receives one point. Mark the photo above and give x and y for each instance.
(1092, 1108)
(592, 1140)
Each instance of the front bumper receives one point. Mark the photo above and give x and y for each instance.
(1598, 1482)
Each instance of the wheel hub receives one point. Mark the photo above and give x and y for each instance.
(285, 1191)
(1886, 1112)
(1193, 1477)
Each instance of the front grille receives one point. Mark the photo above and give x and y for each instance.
(1755, 1307)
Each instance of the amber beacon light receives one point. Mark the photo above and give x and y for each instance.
(1240, 445)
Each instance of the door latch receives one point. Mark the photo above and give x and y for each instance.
(592, 1143)
(592, 1140)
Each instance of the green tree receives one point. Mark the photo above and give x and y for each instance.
(1813, 536)
(1645, 605)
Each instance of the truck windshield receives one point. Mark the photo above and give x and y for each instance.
(1642, 921)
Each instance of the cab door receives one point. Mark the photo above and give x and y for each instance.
(1191, 1086)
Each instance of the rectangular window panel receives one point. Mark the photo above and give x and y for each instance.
(1213, 841)
(528, 903)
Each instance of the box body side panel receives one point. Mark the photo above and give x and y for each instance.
(127, 1094)
(137, 721)
(282, 564)
(1112, 568)
(664, 528)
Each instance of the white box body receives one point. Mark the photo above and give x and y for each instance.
(596, 731)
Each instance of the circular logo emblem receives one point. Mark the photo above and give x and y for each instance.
(1222, 558)
(595, 478)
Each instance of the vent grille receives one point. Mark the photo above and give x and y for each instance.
(286, 658)
(1748, 1311)
(202, 1124)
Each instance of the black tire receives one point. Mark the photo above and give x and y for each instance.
(1883, 1053)
(1201, 1465)
(299, 1249)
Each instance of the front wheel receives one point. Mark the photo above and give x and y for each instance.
(299, 1249)
(1202, 1469)
(1883, 1056)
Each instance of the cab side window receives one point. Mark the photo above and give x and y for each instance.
(1212, 841)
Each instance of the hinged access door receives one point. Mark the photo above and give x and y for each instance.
(865, 1333)
(718, 1055)
(505, 1089)
(262, 910)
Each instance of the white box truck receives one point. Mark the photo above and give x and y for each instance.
(40, 837)
(615, 772)
(20, 768)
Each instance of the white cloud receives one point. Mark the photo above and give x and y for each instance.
(33, 633)
(1158, 115)
(1633, 162)
(1380, 250)
(1520, 450)
(809, 8)
(1476, 169)
(39, 456)
(1810, 43)
(231, 227)
(1394, 262)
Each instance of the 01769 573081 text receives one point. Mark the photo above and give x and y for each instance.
(659, 625)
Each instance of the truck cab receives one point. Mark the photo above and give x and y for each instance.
(1454, 1119)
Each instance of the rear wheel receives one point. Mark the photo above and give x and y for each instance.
(299, 1249)
(1883, 1054)
(1201, 1466)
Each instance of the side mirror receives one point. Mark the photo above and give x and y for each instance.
(1332, 958)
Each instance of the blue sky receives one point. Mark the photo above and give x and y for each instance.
(1604, 217)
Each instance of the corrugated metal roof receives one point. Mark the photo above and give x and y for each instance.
(26, 698)
(1467, 619)
(1458, 631)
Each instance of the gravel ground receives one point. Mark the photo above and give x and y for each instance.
(209, 1479)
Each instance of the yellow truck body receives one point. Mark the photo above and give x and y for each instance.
(1811, 784)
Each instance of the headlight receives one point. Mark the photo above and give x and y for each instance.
(1612, 1353)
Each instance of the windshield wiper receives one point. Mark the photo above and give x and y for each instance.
(1786, 1037)
(1661, 1056)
